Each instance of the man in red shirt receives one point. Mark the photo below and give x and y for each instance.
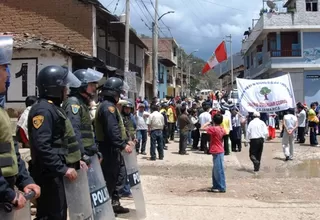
(216, 133)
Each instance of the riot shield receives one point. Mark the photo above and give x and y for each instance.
(8, 212)
(78, 197)
(135, 183)
(100, 199)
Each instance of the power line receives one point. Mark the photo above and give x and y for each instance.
(115, 8)
(225, 6)
(110, 3)
(141, 18)
(162, 20)
(150, 15)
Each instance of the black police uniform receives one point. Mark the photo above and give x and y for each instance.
(21, 180)
(111, 147)
(49, 165)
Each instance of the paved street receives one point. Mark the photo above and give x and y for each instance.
(176, 187)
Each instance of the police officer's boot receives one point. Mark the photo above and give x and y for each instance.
(118, 209)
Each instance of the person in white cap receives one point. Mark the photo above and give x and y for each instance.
(256, 133)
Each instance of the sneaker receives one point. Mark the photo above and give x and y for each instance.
(216, 190)
(287, 158)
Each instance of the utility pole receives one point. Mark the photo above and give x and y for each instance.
(181, 72)
(231, 59)
(127, 35)
(126, 41)
(189, 79)
(155, 50)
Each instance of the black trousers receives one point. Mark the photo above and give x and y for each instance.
(52, 204)
(255, 152)
(111, 165)
(171, 129)
(195, 134)
(183, 142)
(226, 144)
(205, 139)
(301, 133)
(165, 135)
(121, 182)
(236, 143)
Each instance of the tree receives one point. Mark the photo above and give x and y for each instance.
(144, 36)
(265, 91)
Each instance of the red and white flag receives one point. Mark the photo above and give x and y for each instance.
(220, 55)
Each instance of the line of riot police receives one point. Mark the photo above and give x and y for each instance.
(76, 167)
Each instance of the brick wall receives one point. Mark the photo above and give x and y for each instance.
(164, 47)
(64, 21)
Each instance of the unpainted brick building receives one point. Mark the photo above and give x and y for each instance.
(67, 22)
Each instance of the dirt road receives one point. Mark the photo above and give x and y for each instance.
(176, 188)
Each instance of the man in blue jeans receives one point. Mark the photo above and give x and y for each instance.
(142, 128)
(155, 127)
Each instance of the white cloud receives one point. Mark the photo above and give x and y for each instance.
(200, 24)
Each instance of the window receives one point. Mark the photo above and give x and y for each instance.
(272, 41)
(248, 62)
(175, 51)
(311, 5)
(251, 58)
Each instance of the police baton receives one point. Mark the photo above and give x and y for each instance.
(8, 207)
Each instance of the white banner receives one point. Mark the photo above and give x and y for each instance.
(266, 95)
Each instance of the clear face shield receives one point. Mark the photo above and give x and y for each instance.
(6, 49)
(93, 76)
(69, 80)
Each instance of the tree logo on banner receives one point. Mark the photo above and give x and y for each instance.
(265, 91)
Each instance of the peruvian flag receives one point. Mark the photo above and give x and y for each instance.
(220, 55)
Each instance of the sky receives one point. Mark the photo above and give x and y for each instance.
(196, 24)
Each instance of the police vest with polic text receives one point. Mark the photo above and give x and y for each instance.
(8, 157)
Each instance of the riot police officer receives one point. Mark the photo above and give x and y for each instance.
(77, 109)
(55, 151)
(111, 137)
(128, 119)
(12, 168)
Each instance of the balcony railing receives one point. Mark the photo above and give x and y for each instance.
(115, 61)
(285, 53)
(169, 80)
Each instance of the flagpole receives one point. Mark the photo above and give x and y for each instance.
(231, 59)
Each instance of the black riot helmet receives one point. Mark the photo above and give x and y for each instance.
(114, 87)
(52, 80)
(86, 76)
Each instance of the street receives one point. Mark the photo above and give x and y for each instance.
(176, 188)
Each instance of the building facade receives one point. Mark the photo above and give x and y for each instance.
(287, 42)
(167, 52)
(82, 25)
(224, 71)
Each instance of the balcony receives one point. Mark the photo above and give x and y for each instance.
(115, 61)
(270, 22)
(285, 53)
